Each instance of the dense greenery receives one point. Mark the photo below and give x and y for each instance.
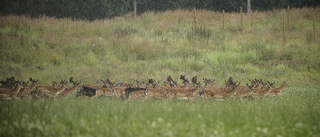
(99, 9)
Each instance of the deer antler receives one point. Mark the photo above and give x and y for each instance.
(271, 84)
(151, 81)
(183, 77)
(71, 80)
(194, 80)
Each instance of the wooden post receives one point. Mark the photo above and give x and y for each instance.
(251, 20)
(241, 19)
(135, 7)
(223, 20)
(283, 24)
(288, 27)
(194, 17)
(314, 27)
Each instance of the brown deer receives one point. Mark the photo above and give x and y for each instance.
(208, 82)
(185, 82)
(27, 90)
(277, 91)
(245, 92)
(118, 91)
(183, 93)
(155, 91)
(50, 91)
(107, 92)
(135, 93)
(88, 90)
(68, 91)
(9, 82)
(263, 92)
(11, 92)
(226, 92)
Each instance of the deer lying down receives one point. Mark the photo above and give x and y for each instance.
(9, 92)
(134, 93)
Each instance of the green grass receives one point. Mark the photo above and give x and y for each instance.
(296, 113)
(155, 45)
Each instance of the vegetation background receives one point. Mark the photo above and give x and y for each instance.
(100, 9)
(155, 45)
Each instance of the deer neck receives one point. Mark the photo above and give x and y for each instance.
(246, 92)
(233, 91)
(17, 89)
(73, 89)
(267, 91)
(62, 88)
(33, 86)
(282, 86)
(194, 91)
(207, 85)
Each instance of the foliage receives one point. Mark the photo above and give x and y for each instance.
(100, 9)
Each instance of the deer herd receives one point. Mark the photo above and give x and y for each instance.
(205, 90)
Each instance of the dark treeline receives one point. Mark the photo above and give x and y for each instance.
(99, 9)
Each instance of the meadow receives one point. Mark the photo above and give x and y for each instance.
(156, 45)
(296, 113)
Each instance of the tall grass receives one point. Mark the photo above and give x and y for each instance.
(296, 113)
(160, 44)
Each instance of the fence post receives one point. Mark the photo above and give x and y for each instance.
(288, 18)
(223, 20)
(135, 7)
(314, 27)
(241, 19)
(283, 24)
(194, 17)
(251, 14)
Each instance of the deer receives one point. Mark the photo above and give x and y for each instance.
(182, 93)
(226, 92)
(27, 90)
(245, 92)
(185, 82)
(68, 91)
(277, 91)
(50, 91)
(103, 92)
(208, 82)
(171, 82)
(263, 92)
(119, 91)
(11, 92)
(10, 82)
(258, 84)
(135, 93)
(155, 91)
(88, 90)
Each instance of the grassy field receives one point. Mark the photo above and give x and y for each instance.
(294, 114)
(162, 44)
(156, 45)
